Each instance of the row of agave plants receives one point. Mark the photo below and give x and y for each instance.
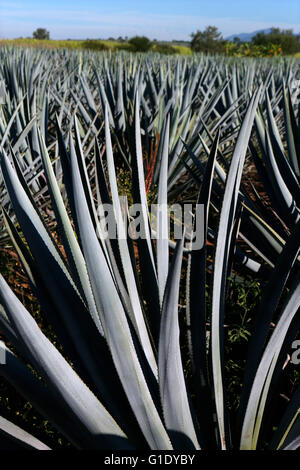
(182, 130)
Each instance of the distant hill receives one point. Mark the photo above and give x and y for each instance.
(247, 37)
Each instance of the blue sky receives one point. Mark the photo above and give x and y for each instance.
(160, 19)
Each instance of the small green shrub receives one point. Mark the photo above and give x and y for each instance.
(123, 46)
(94, 45)
(140, 44)
(164, 49)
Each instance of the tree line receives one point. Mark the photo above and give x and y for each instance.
(210, 41)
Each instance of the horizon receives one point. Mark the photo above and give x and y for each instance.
(95, 19)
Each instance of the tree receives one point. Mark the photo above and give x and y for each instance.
(140, 43)
(208, 41)
(237, 40)
(284, 38)
(41, 33)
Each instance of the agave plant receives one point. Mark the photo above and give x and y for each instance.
(116, 379)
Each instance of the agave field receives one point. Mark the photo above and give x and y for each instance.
(135, 352)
